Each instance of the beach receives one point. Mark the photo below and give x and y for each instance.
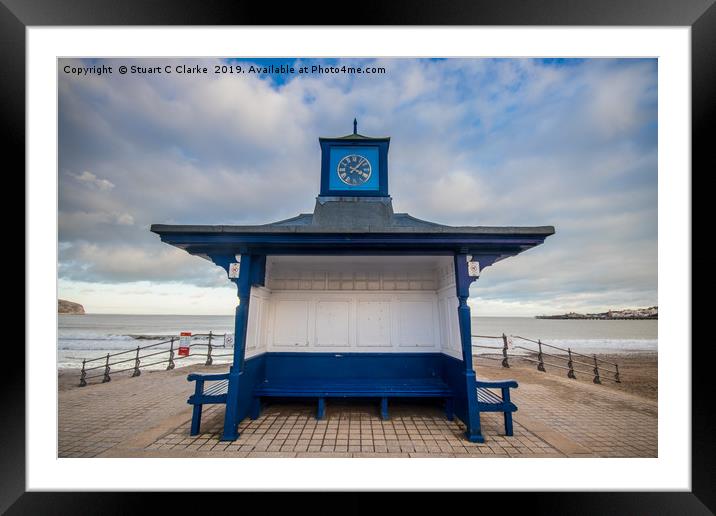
(557, 417)
(638, 372)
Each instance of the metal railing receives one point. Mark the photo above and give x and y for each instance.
(597, 366)
(103, 370)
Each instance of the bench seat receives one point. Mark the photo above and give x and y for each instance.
(354, 388)
(417, 387)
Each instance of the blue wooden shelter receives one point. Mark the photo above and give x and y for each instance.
(352, 300)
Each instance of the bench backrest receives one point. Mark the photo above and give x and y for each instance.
(286, 366)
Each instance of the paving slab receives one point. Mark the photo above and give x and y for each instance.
(148, 416)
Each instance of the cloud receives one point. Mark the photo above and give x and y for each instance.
(617, 104)
(122, 263)
(92, 181)
(456, 193)
(474, 142)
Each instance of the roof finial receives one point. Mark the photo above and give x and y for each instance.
(355, 126)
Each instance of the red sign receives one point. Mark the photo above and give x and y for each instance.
(184, 343)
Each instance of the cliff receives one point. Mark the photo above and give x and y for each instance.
(68, 307)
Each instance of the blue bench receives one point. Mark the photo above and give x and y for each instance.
(489, 401)
(415, 388)
(356, 388)
(216, 393)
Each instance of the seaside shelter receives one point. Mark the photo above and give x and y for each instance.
(352, 300)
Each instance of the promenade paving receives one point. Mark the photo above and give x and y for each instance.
(148, 417)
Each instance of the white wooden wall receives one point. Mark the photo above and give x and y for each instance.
(256, 333)
(353, 321)
(374, 305)
(447, 310)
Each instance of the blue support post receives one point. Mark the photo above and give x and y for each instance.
(255, 412)
(462, 286)
(196, 415)
(321, 413)
(507, 413)
(241, 321)
(449, 409)
(196, 420)
(384, 409)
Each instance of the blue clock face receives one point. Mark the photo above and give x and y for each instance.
(354, 169)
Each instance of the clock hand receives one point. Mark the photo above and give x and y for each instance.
(359, 164)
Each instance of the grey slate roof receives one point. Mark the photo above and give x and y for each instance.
(355, 215)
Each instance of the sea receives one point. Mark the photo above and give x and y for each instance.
(93, 336)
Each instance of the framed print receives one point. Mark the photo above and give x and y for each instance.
(372, 257)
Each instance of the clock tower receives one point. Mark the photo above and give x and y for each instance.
(354, 165)
(354, 182)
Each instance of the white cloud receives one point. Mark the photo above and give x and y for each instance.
(92, 181)
(616, 101)
(474, 142)
(457, 193)
(123, 263)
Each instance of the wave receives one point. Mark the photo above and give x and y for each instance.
(110, 336)
(103, 341)
(152, 337)
(578, 345)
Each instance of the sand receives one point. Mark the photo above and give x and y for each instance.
(69, 379)
(638, 372)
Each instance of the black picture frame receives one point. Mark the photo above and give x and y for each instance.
(700, 15)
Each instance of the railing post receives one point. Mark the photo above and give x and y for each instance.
(540, 365)
(83, 375)
(505, 363)
(106, 371)
(570, 373)
(596, 371)
(136, 371)
(616, 374)
(209, 361)
(170, 365)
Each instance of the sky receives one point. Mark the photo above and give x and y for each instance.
(570, 143)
